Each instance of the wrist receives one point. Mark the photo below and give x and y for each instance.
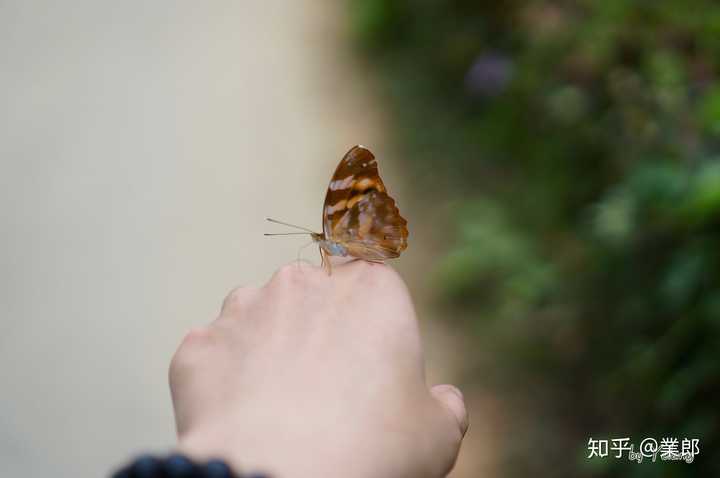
(283, 455)
(178, 466)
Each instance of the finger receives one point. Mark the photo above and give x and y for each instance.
(452, 399)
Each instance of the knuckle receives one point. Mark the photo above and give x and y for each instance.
(356, 269)
(296, 275)
(180, 367)
(287, 273)
(363, 267)
(196, 335)
(194, 340)
(379, 275)
(386, 274)
(238, 297)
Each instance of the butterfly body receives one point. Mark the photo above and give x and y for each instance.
(360, 219)
(332, 248)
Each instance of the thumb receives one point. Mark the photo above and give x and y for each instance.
(452, 399)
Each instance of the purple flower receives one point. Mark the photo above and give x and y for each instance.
(489, 75)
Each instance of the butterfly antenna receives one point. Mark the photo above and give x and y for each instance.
(286, 233)
(289, 225)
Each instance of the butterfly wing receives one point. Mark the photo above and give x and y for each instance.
(359, 214)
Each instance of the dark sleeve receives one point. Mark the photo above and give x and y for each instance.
(178, 466)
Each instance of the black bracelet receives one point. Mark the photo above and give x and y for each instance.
(177, 466)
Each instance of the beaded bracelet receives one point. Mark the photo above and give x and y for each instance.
(177, 466)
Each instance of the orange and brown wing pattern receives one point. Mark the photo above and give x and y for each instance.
(359, 214)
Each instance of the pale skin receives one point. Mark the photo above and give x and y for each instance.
(316, 376)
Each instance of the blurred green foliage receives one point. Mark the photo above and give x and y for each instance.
(578, 144)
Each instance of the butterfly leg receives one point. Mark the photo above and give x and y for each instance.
(325, 261)
(300, 252)
(328, 263)
(373, 261)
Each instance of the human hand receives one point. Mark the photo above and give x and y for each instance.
(316, 376)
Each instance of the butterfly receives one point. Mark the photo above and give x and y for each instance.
(359, 218)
